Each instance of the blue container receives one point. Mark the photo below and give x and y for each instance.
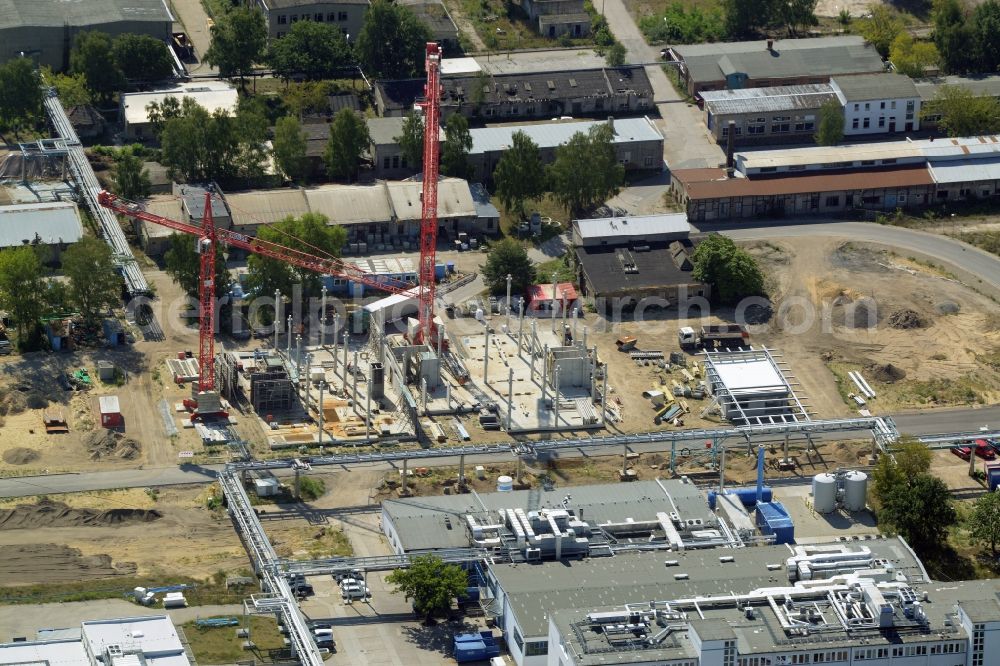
(440, 270)
(747, 496)
(772, 518)
(450, 266)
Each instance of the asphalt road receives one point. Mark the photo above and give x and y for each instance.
(920, 423)
(977, 268)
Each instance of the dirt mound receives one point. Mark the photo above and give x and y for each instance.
(20, 455)
(758, 313)
(109, 444)
(906, 319)
(56, 514)
(860, 313)
(886, 373)
(53, 563)
(948, 307)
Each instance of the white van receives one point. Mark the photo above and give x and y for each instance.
(323, 637)
(355, 591)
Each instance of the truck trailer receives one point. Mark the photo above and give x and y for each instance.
(716, 336)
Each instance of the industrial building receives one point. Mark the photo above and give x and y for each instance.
(388, 160)
(133, 108)
(150, 640)
(751, 387)
(777, 114)
(55, 225)
(44, 30)
(637, 142)
(866, 177)
(555, 18)
(878, 103)
(621, 91)
(280, 15)
(928, 88)
(435, 15)
(625, 261)
(762, 64)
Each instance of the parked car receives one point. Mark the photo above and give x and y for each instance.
(323, 637)
(962, 452)
(984, 450)
(302, 589)
(355, 592)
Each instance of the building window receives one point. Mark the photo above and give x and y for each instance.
(536, 648)
(342, 16)
(854, 124)
(909, 105)
(881, 121)
(295, 17)
(282, 19)
(871, 199)
(867, 123)
(868, 107)
(395, 161)
(648, 161)
(832, 201)
(318, 17)
(882, 106)
(855, 107)
(280, 35)
(760, 120)
(386, 162)
(756, 129)
(768, 169)
(518, 640)
(332, 16)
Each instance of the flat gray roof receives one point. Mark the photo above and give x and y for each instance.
(866, 87)
(383, 131)
(536, 590)
(986, 84)
(763, 100)
(640, 226)
(58, 13)
(430, 522)
(550, 135)
(722, 48)
(47, 223)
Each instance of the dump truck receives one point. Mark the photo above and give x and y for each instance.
(720, 336)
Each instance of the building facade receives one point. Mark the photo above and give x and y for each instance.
(280, 15)
(878, 103)
(555, 18)
(782, 114)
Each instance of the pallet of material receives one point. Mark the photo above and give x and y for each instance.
(55, 421)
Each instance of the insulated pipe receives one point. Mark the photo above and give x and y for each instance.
(760, 472)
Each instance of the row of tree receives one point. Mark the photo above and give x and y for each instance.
(391, 44)
(27, 292)
(968, 40)
(731, 19)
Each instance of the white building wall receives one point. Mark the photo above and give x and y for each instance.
(883, 116)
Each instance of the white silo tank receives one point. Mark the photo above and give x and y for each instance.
(855, 490)
(505, 484)
(824, 490)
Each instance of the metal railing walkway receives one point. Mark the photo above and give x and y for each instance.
(85, 179)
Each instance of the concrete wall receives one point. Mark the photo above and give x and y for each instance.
(349, 17)
(887, 116)
(389, 163)
(557, 25)
(51, 45)
(767, 127)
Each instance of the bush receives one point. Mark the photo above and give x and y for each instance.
(311, 488)
(679, 26)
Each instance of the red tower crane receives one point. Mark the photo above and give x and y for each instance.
(428, 208)
(208, 402)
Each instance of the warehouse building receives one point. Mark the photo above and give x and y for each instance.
(878, 103)
(762, 64)
(555, 18)
(928, 88)
(133, 108)
(44, 30)
(55, 225)
(639, 261)
(388, 160)
(437, 18)
(637, 142)
(782, 114)
(620, 91)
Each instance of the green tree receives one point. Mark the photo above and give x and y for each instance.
(796, 14)
(586, 171)
(348, 141)
(160, 112)
(20, 93)
(952, 36)
(411, 140)
(616, 55)
(963, 113)
(93, 57)
(731, 270)
(290, 148)
(21, 287)
(519, 174)
(94, 282)
(392, 42)
(680, 25)
(910, 57)
(985, 23)
(142, 57)
(745, 18)
(307, 97)
(131, 179)
(430, 583)
(508, 257)
(183, 264)
(313, 50)
(56, 299)
(310, 233)
(238, 41)
(830, 129)
(456, 147)
(984, 523)
(250, 127)
(920, 510)
(881, 27)
(71, 88)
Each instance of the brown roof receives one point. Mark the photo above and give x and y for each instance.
(712, 183)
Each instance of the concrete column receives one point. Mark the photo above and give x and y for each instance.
(336, 322)
(343, 341)
(554, 301)
(604, 395)
(440, 340)
(354, 375)
(722, 468)
(510, 396)
(585, 337)
(784, 459)
(562, 333)
(574, 326)
(319, 408)
(447, 394)
(486, 358)
(545, 371)
(507, 322)
(368, 410)
(555, 393)
(288, 347)
(403, 490)
(322, 318)
(298, 358)
(520, 328)
(624, 459)
(277, 317)
(461, 471)
(423, 394)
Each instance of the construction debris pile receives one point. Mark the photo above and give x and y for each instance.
(101, 444)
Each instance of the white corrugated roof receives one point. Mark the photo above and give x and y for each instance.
(454, 199)
(633, 225)
(48, 223)
(50, 653)
(109, 404)
(212, 95)
(550, 135)
(965, 171)
(351, 204)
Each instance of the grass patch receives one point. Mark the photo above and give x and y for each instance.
(311, 488)
(216, 8)
(984, 240)
(205, 593)
(546, 206)
(562, 267)
(312, 543)
(504, 26)
(958, 391)
(220, 645)
(330, 542)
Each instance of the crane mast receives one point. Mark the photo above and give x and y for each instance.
(428, 210)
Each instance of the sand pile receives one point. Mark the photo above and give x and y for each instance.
(109, 444)
(948, 307)
(20, 455)
(56, 514)
(906, 319)
(886, 373)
